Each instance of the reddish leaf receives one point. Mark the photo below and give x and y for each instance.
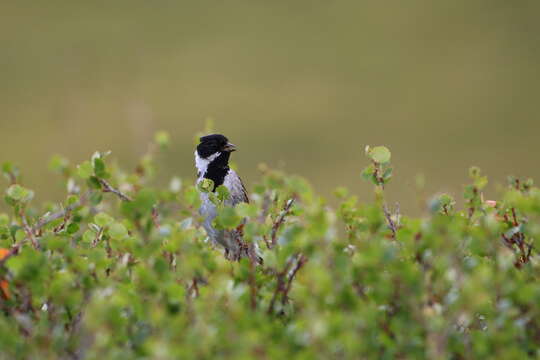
(5, 291)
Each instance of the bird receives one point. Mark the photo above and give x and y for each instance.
(212, 162)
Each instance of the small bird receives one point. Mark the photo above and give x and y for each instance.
(212, 162)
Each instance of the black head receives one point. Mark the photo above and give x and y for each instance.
(211, 144)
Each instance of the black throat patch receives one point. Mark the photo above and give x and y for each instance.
(218, 169)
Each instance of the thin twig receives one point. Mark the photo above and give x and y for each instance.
(60, 214)
(155, 217)
(14, 251)
(391, 224)
(514, 217)
(63, 225)
(265, 207)
(299, 263)
(280, 220)
(12, 178)
(97, 238)
(193, 290)
(252, 283)
(280, 284)
(106, 187)
(28, 230)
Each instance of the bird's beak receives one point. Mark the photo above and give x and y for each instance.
(229, 147)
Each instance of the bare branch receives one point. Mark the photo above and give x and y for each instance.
(155, 217)
(60, 214)
(252, 283)
(28, 230)
(391, 223)
(299, 263)
(265, 207)
(285, 279)
(280, 284)
(279, 221)
(106, 187)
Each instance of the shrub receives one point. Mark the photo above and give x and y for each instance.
(122, 269)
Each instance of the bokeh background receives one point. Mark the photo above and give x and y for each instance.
(303, 85)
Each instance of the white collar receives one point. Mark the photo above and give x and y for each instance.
(202, 163)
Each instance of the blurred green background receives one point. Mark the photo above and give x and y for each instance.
(304, 85)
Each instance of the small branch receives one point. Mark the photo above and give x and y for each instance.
(106, 187)
(377, 174)
(64, 223)
(28, 230)
(262, 217)
(60, 214)
(155, 217)
(97, 238)
(280, 285)
(12, 178)
(508, 242)
(268, 245)
(514, 217)
(391, 224)
(280, 220)
(299, 263)
(14, 251)
(265, 207)
(193, 290)
(445, 209)
(252, 284)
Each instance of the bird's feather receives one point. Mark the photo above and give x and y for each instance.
(237, 190)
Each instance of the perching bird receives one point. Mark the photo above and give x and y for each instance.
(212, 162)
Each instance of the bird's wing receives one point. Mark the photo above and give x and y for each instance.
(236, 188)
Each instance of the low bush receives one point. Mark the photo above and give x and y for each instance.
(122, 269)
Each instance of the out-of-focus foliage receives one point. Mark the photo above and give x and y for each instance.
(122, 269)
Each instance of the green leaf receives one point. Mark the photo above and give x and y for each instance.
(162, 138)
(18, 193)
(143, 203)
(72, 200)
(379, 154)
(7, 167)
(118, 231)
(246, 210)
(20, 235)
(480, 182)
(99, 168)
(341, 192)
(89, 236)
(206, 185)
(387, 174)
(72, 228)
(191, 196)
(228, 218)
(222, 192)
(474, 171)
(52, 242)
(93, 183)
(443, 202)
(446, 199)
(368, 172)
(103, 219)
(85, 170)
(58, 163)
(10, 170)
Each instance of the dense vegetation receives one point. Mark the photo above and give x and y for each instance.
(121, 269)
